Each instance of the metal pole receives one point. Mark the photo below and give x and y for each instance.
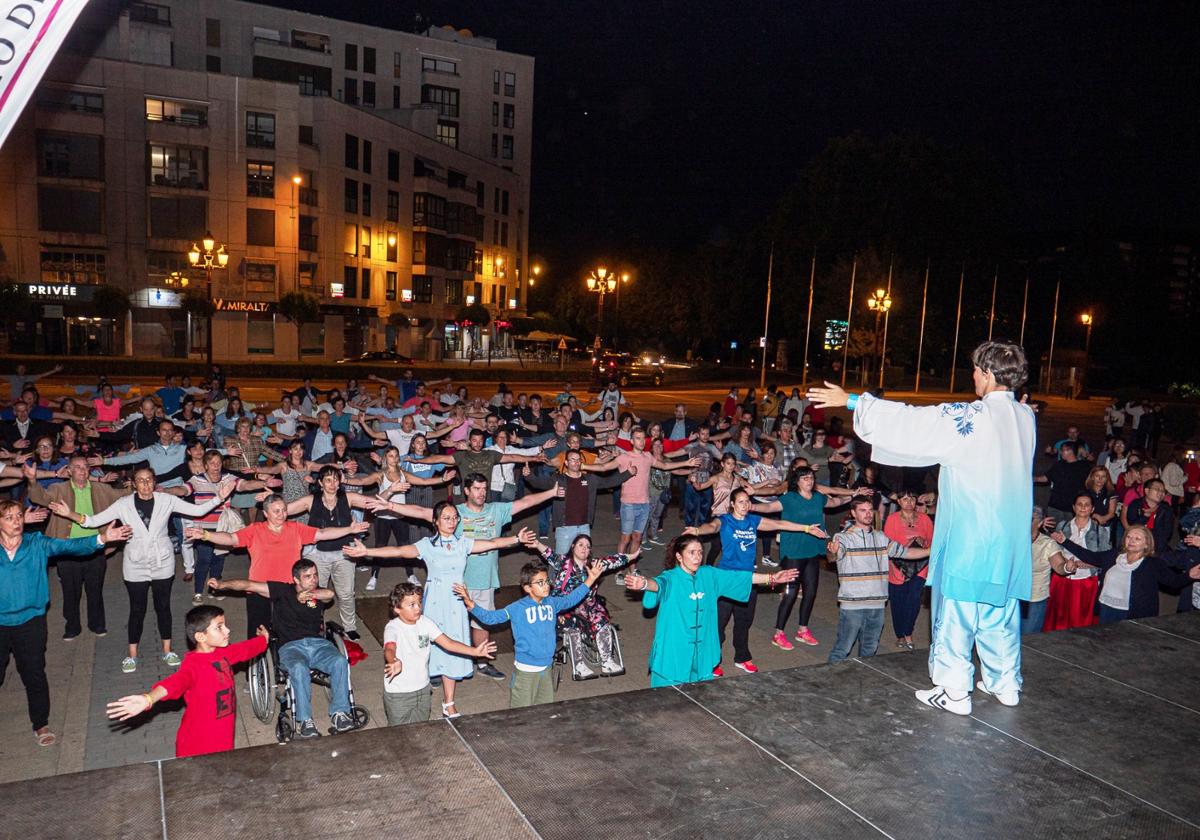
(762, 374)
(1024, 308)
(849, 315)
(886, 314)
(208, 286)
(957, 322)
(921, 339)
(992, 316)
(600, 320)
(812, 276)
(1053, 330)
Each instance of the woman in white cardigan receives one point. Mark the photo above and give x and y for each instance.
(148, 561)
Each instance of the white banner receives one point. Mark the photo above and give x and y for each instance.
(31, 32)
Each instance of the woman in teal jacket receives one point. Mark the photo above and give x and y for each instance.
(686, 647)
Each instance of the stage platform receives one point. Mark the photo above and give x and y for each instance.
(1103, 745)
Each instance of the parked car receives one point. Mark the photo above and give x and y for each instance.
(626, 369)
(377, 357)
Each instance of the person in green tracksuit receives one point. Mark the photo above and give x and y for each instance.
(685, 647)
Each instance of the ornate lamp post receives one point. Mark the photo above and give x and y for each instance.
(879, 302)
(602, 283)
(212, 257)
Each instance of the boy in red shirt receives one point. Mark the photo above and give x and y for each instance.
(204, 681)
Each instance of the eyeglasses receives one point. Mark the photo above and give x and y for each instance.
(539, 583)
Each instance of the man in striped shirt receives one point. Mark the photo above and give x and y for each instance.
(862, 554)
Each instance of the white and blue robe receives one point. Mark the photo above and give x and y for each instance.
(980, 562)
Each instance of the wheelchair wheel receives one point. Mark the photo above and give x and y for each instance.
(284, 729)
(262, 695)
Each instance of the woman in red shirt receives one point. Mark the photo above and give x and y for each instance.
(906, 578)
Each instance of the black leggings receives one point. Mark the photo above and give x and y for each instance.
(804, 586)
(138, 596)
(386, 527)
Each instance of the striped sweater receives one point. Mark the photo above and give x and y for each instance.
(862, 563)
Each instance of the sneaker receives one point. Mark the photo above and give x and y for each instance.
(100, 634)
(747, 666)
(414, 580)
(938, 698)
(70, 637)
(342, 722)
(1006, 698)
(718, 671)
(171, 658)
(583, 672)
(780, 640)
(352, 635)
(805, 637)
(371, 584)
(128, 665)
(610, 667)
(490, 670)
(197, 598)
(768, 560)
(218, 597)
(655, 540)
(362, 568)
(307, 729)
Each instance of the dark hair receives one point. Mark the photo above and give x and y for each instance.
(471, 479)
(197, 621)
(1082, 494)
(676, 547)
(1146, 485)
(328, 470)
(439, 507)
(741, 491)
(862, 500)
(797, 474)
(1069, 445)
(1003, 360)
(401, 591)
(529, 570)
(479, 432)
(574, 542)
(302, 565)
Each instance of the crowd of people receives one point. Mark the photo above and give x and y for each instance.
(431, 476)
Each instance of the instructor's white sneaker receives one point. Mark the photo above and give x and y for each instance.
(938, 698)
(1006, 698)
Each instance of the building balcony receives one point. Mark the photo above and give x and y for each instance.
(309, 196)
(308, 242)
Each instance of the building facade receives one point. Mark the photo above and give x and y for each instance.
(382, 172)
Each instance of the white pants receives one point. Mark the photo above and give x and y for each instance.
(959, 626)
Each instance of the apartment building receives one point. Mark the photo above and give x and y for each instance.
(385, 173)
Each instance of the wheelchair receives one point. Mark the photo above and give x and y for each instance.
(568, 655)
(271, 688)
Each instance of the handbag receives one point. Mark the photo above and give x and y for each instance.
(228, 522)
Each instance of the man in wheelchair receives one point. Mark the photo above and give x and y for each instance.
(298, 627)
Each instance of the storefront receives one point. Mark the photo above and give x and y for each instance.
(160, 325)
(64, 323)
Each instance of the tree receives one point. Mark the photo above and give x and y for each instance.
(299, 308)
(476, 313)
(110, 302)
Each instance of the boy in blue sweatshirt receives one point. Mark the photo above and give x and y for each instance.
(534, 621)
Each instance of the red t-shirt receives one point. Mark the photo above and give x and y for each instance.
(897, 530)
(205, 682)
(272, 555)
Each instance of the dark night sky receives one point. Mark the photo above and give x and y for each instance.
(676, 123)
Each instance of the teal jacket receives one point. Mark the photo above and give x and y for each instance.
(24, 585)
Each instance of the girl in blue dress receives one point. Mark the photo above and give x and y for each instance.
(445, 558)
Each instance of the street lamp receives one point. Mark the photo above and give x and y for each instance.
(602, 283)
(537, 272)
(213, 256)
(1086, 319)
(879, 302)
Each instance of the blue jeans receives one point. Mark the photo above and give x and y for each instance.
(301, 656)
(905, 599)
(865, 626)
(564, 535)
(697, 505)
(1033, 616)
(208, 564)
